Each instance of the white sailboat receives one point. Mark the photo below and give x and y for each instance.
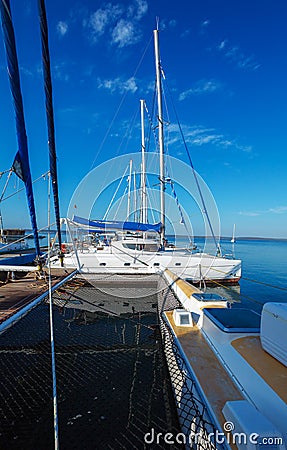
(141, 247)
(233, 240)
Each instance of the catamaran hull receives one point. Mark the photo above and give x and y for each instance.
(192, 267)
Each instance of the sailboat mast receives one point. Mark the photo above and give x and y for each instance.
(129, 190)
(135, 197)
(143, 177)
(160, 134)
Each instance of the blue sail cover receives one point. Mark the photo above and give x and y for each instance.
(117, 225)
(21, 164)
(49, 111)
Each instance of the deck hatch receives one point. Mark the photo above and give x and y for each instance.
(206, 297)
(235, 320)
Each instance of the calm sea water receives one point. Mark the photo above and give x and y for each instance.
(264, 271)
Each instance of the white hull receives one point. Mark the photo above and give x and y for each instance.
(194, 267)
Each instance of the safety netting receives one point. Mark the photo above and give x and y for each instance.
(121, 380)
(197, 425)
(112, 379)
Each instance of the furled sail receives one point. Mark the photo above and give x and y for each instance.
(21, 164)
(117, 225)
(49, 111)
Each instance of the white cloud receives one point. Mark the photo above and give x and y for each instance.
(185, 33)
(172, 23)
(205, 23)
(201, 87)
(119, 85)
(249, 213)
(234, 54)
(204, 26)
(137, 9)
(62, 28)
(124, 34)
(101, 19)
(98, 21)
(276, 210)
(60, 71)
(121, 24)
(212, 138)
(26, 71)
(222, 45)
(201, 136)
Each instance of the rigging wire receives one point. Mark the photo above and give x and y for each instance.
(120, 203)
(171, 182)
(115, 193)
(22, 189)
(205, 211)
(120, 106)
(54, 376)
(4, 172)
(6, 184)
(264, 284)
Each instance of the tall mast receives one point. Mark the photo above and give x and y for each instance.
(129, 190)
(135, 197)
(143, 177)
(160, 134)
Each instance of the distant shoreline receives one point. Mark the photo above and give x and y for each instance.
(228, 238)
(224, 238)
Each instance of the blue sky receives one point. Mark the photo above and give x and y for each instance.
(226, 68)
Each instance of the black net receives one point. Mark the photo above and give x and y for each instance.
(195, 421)
(122, 381)
(112, 379)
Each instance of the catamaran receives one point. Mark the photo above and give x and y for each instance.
(140, 247)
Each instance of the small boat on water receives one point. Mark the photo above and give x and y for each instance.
(233, 240)
(12, 239)
(141, 246)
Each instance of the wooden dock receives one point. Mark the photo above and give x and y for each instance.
(16, 294)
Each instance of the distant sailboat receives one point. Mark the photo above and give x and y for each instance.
(233, 240)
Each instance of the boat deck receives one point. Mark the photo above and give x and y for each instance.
(16, 294)
(214, 381)
(271, 370)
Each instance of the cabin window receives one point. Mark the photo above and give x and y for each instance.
(156, 264)
(151, 247)
(178, 264)
(127, 264)
(130, 246)
(103, 264)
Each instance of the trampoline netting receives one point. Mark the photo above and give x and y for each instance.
(121, 378)
(112, 379)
